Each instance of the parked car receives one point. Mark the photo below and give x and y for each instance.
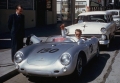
(95, 23)
(116, 16)
(57, 56)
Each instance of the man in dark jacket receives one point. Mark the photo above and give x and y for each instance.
(16, 27)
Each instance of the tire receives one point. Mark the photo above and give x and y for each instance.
(79, 66)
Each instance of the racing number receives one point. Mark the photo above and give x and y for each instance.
(50, 50)
(91, 48)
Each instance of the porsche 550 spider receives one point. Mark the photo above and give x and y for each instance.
(57, 56)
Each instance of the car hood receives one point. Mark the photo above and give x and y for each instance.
(87, 27)
(47, 53)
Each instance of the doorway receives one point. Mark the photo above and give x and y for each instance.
(40, 13)
(64, 10)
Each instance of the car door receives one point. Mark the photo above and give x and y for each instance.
(90, 48)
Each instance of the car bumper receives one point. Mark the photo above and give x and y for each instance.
(105, 42)
(101, 42)
(54, 70)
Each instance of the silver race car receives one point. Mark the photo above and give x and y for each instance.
(57, 56)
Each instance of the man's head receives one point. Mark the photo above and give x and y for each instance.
(19, 9)
(78, 33)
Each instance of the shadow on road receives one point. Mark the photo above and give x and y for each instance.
(93, 69)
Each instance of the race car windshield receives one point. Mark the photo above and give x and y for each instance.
(92, 18)
(59, 39)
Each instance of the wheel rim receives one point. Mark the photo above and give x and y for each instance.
(79, 67)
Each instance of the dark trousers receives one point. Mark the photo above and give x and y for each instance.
(16, 44)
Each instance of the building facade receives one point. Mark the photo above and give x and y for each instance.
(44, 12)
(37, 12)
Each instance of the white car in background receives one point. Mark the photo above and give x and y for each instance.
(95, 23)
(116, 16)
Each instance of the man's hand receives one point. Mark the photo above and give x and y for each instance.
(62, 26)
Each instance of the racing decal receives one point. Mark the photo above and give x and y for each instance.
(91, 48)
(53, 50)
(50, 50)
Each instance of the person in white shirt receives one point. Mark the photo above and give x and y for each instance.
(78, 33)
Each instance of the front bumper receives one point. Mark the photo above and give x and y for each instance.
(101, 42)
(54, 70)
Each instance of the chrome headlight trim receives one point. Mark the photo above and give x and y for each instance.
(18, 57)
(65, 59)
(103, 37)
(103, 30)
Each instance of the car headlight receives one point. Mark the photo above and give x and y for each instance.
(18, 57)
(65, 59)
(103, 37)
(103, 30)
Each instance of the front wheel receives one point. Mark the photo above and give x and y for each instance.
(79, 66)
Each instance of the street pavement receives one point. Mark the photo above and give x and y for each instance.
(114, 76)
(7, 67)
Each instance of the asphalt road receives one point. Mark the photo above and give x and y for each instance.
(97, 71)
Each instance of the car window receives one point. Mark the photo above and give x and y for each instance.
(108, 18)
(83, 19)
(92, 18)
(101, 18)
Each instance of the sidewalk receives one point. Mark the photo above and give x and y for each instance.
(7, 67)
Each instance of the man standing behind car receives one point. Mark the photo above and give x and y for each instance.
(16, 27)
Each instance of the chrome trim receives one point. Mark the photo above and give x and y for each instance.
(105, 42)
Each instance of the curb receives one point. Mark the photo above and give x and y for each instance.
(8, 75)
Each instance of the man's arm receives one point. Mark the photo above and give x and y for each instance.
(62, 30)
